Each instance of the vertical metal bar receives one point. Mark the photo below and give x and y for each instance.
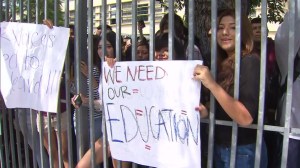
(2, 161)
(214, 72)
(36, 11)
(90, 86)
(59, 133)
(41, 134)
(17, 127)
(28, 12)
(103, 39)
(191, 30)
(13, 11)
(49, 127)
(171, 30)
(25, 134)
(263, 58)
(118, 30)
(12, 139)
(80, 53)
(6, 10)
(289, 92)
(5, 129)
(67, 79)
(1, 9)
(40, 123)
(50, 145)
(45, 9)
(152, 30)
(237, 77)
(134, 30)
(21, 13)
(56, 9)
(58, 115)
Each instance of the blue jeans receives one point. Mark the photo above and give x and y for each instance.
(293, 160)
(245, 156)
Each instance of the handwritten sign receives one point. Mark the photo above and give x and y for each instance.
(32, 58)
(150, 113)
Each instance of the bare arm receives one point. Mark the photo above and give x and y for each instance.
(234, 108)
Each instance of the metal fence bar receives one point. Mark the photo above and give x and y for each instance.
(236, 78)
(6, 142)
(80, 55)
(104, 52)
(289, 91)
(21, 12)
(23, 123)
(34, 126)
(1, 9)
(67, 91)
(152, 31)
(261, 107)
(12, 139)
(119, 41)
(28, 13)
(18, 138)
(191, 29)
(2, 160)
(214, 72)
(134, 30)
(171, 30)
(6, 10)
(13, 11)
(90, 84)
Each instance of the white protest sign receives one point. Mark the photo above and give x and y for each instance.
(32, 58)
(150, 113)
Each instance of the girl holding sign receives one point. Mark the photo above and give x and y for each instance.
(110, 59)
(244, 110)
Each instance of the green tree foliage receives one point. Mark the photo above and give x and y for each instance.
(40, 12)
(275, 7)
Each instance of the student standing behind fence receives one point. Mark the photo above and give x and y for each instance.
(54, 127)
(244, 110)
(181, 32)
(272, 85)
(282, 53)
(111, 54)
(95, 83)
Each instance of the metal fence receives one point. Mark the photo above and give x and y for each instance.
(20, 143)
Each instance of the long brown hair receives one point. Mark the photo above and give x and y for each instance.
(225, 63)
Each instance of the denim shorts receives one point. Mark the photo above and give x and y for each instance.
(97, 127)
(245, 156)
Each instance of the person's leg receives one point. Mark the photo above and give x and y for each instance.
(32, 127)
(264, 159)
(221, 157)
(64, 138)
(123, 164)
(245, 156)
(54, 152)
(85, 162)
(64, 144)
(293, 160)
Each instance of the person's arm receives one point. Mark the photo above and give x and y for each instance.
(282, 42)
(85, 102)
(84, 71)
(140, 28)
(234, 108)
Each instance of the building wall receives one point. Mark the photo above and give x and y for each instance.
(126, 15)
